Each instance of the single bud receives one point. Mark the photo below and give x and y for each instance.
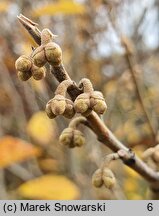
(49, 111)
(71, 138)
(155, 156)
(66, 137)
(38, 73)
(69, 111)
(53, 53)
(82, 103)
(108, 178)
(23, 63)
(39, 57)
(79, 139)
(97, 180)
(58, 104)
(24, 76)
(97, 102)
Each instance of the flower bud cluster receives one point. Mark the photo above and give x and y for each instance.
(48, 51)
(84, 103)
(60, 105)
(33, 65)
(72, 138)
(89, 100)
(104, 177)
(26, 69)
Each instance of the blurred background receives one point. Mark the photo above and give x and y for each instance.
(33, 165)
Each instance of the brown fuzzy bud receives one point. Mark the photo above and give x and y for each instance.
(49, 111)
(82, 103)
(23, 63)
(71, 138)
(58, 104)
(53, 53)
(108, 178)
(24, 76)
(66, 137)
(155, 156)
(79, 139)
(69, 111)
(38, 73)
(97, 102)
(97, 180)
(50, 52)
(39, 57)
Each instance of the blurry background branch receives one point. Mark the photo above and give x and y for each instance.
(129, 50)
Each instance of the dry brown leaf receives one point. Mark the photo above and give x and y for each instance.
(13, 150)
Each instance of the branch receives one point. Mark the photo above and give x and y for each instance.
(129, 60)
(128, 48)
(77, 121)
(104, 135)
